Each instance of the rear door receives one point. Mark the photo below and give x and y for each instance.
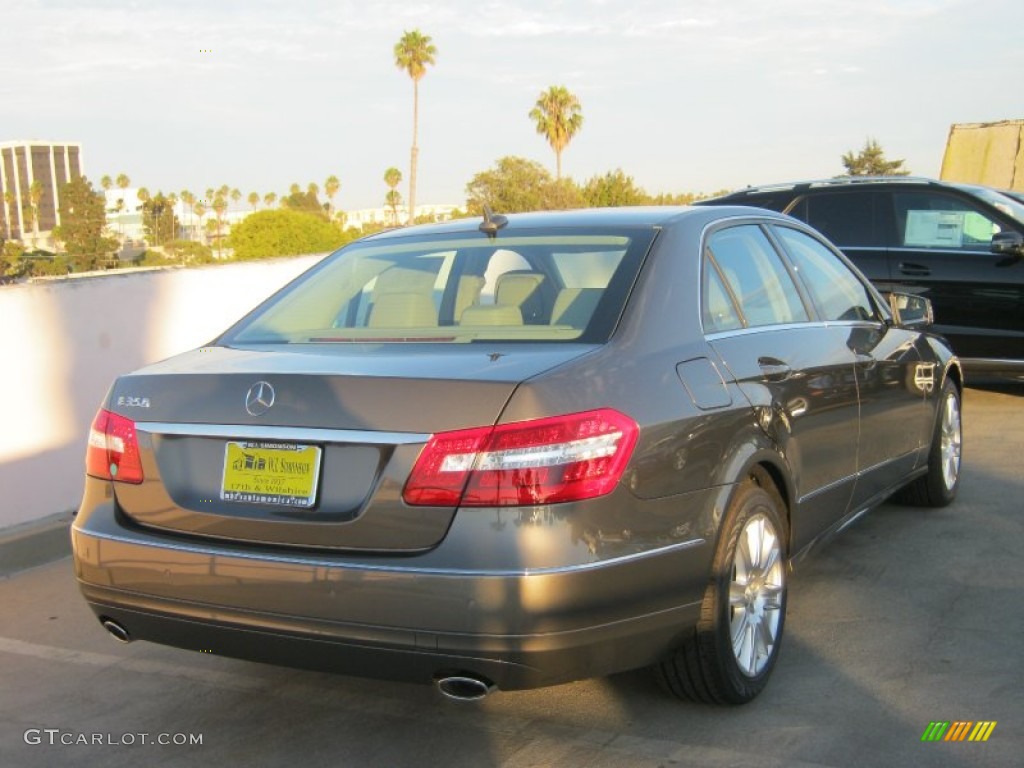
(798, 374)
(891, 378)
(852, 221)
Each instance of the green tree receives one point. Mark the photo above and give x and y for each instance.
(413, 53)
(559, 117)
(516, 184)
(393, 198)
(159, 220)
(331, 187)
(254, 199)
(304, 201)
(870, 161)
(615, 188)
(269, 199)
(283, 232)
(236, 195)
(82, 219)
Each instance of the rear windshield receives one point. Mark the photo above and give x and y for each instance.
(554, 286)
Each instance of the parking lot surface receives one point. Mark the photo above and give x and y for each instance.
(911, 616)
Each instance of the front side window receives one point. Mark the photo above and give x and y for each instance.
(753, 273)
(837, 293)
(569, 286)
(927, 219)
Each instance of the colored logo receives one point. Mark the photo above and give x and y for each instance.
(958, 730)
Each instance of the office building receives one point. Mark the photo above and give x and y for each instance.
(22, 163)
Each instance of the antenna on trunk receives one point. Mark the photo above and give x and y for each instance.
(492, 222)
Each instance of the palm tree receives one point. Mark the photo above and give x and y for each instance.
(35, 196)
(412, 54)
(143, 195)
(559, 118)
(236, 195)
(331, 187)
(220, 205)
(172, 202)
(189, 200)
(254, 199)
(123, 182)
(269, 199)
(294, 189)
(199, 210)
(393, 177)
(9, 200)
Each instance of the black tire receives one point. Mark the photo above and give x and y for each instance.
(708, 667)
(939, 486)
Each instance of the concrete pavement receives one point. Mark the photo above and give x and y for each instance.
(910, 616)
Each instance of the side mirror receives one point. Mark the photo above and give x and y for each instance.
(1008, 243)
(910, 310)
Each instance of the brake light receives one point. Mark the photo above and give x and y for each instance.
(113, 450)
(544, 461)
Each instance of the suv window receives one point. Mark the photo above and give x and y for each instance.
(755, 275)
(835, 290)
(926, 219)
(845, 218)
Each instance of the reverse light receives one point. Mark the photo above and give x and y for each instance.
(543, 461)
(113, 450)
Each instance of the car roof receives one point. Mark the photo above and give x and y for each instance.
(633, 216)
(798, 187)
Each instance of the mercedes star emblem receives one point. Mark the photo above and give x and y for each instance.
(259, 398)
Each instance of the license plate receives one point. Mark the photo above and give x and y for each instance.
(270, 473)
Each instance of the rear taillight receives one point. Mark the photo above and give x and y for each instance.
(545, 461)
(113, 451)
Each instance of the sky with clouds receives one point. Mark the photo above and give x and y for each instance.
(684, 96)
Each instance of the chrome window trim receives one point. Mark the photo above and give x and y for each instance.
(281, 434)
(783, 326)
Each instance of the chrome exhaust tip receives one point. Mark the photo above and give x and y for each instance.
(116, 631)
(464, 688)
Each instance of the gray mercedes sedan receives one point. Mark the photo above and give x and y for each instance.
(518, 451)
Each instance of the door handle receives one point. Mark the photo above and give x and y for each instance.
(774, 369)
(914, 270)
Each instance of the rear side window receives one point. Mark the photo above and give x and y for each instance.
(567, 286)
(752, 273)
(845, 218)
(837, 293)
(926, 219)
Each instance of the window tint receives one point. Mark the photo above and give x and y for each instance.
(837, 293)
(756, 276)
(926, 219)
(845, 218)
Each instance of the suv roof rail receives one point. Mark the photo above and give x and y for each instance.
(835, 181)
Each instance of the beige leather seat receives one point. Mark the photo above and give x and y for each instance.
(521, 290)
(403, 298)
(491, 314)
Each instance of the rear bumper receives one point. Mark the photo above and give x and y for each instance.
(398, 618)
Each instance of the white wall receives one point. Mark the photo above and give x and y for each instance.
(62, 343)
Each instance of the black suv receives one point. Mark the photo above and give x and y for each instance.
(960, 245)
